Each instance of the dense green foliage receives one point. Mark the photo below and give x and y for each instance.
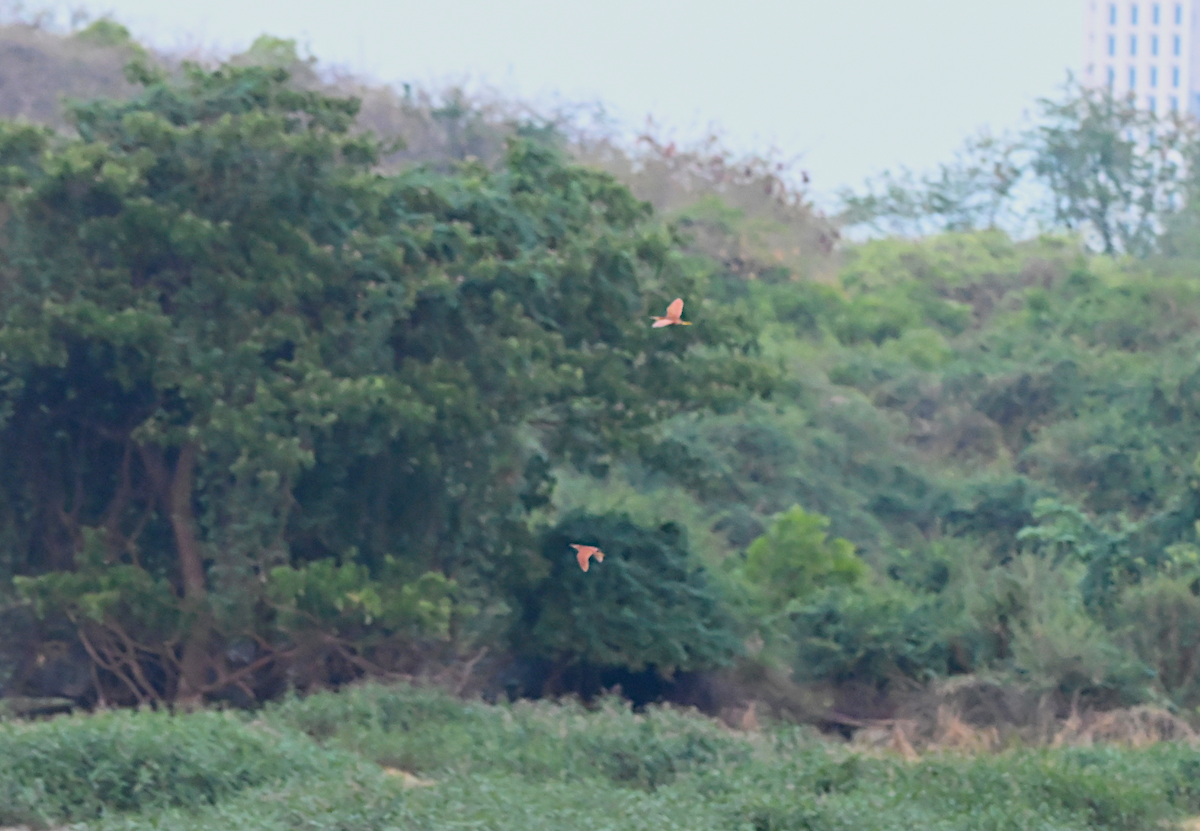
(376, 757)
(262, 400)
(649, 604)
(1005, 432)
(133, 762)
(794, 559)
(279, 406)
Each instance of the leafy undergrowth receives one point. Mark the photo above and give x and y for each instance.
(350, 761)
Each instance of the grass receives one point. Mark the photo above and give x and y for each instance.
(334, 761)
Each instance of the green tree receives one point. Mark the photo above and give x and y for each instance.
(1113, 169)
(1159, 622)
(1090, 163)
(796, 558)
(229, 345)
(648, 604)
(869, 634)
(973, 192)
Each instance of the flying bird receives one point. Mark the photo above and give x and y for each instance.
(672, 316)
(583, 553)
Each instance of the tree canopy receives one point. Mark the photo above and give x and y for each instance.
(230, 347)
(1088, 163)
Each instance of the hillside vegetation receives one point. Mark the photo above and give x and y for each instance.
(283, 405)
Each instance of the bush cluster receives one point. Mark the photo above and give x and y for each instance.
(402, 757)
(80, 768)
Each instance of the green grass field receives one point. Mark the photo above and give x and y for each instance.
(379, 757)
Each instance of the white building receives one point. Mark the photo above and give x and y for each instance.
(1150, 50)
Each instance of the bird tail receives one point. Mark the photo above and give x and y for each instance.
(660, 322)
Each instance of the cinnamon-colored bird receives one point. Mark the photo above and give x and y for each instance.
(583, 553)
(672, 317)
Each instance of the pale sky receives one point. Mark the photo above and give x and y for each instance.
(852, 86)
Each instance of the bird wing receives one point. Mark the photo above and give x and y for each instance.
(583, 552)
(675, 309)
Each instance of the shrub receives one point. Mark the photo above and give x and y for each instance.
(869, 634)
(648, 604)
(925, 348)
(1159, 621)
(795, 558)
(650, 750)
(78, 768)
(1056, 645)
(427, 731)
(875, 319)
(412, 728)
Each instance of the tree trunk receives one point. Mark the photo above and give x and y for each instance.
(175, 494)
(183, 523)
(195, 663)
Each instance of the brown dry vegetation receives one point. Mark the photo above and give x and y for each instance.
(39, 69)
(968, 715)
(747, 212)
(743, 212)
